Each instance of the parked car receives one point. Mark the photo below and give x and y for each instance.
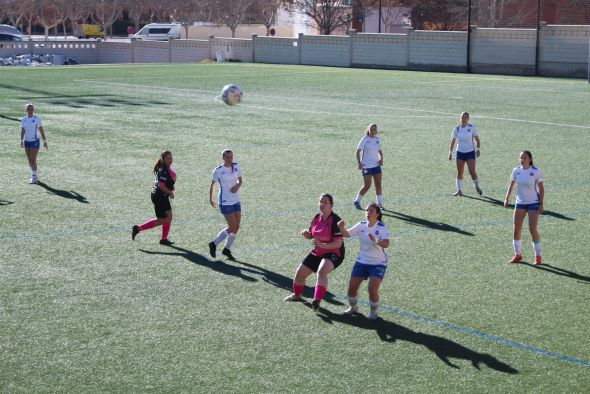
(88, 30)
(11, 33)
(158, 31)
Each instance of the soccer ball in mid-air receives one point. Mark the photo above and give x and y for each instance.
(231, 94)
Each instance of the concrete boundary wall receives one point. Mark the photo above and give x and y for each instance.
(563, 50)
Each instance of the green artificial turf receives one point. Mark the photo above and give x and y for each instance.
(85, 309)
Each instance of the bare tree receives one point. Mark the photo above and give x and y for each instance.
(106, 12)
(439, 14)
(268, 9)
(136, 9)
(230, 12)
(393, 12)
(327, 15)
(26, 11)
(505, 13)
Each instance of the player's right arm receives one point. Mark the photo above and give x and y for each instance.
(508, 192)
(211, 193)
(22, 137)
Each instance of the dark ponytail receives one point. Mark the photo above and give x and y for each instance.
(530, 155)
(329, 197)
(377, 209)
(160, 162)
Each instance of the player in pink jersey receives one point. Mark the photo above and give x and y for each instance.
(327, 253)
(162, 192)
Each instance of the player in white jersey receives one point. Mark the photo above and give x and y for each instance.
(463, 136)
(369, 157)
(530, 194)
(229, 177)
(371, 262)
(30, 128)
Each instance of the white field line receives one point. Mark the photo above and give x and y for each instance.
(151, 89)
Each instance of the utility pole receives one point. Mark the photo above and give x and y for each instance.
(469, 37)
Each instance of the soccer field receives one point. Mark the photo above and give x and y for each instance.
(83, 308)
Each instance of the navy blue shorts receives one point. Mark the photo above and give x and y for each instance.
(371, 171)
(466, 156)
(33, 144)
(229, 209)
(312, 261)
(361, 270)
(528, 207)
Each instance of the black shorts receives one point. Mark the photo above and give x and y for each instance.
(313, 262)
(161, 205)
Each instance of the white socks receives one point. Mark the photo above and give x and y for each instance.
(537, 247)
(353, 302)
(230, 240)
(459, 184)
(476, 182)
(517, 244)
(379, 199)
(358, 198)
(220, 237)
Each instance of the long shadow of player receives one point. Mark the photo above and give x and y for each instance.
(559, 271)
(72, 195)
(284, 282)
(445, 349)
(218, 265)
(5, 202)
(500, 203)
(424, 223)
(9, 118)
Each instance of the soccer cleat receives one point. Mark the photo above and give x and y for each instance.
(212, 248)
(515, 259)
(538, 260)
(166, 242)
(33, 180)
(134, 232)
(315, 305)
(458, 193)
(381, 207)
(478, 190)
(293, 297)
(350, 311)
(357, 205)
(227, 253)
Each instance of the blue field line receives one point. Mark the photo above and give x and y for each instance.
(487, 337)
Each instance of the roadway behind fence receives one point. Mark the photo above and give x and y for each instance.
(563, 50)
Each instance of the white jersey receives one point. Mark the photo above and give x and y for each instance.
(464, 137)
(227, 178)
(30, 124)
(526, 184)
(370, 253)
(370, 148)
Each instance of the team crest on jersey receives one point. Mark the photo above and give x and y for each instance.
(532, 174)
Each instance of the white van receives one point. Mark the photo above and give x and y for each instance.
(158, 31)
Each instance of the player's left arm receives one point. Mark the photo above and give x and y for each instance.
(477, 145)
(43, 136)
(380, 157)
(237, 186)
(541, 196)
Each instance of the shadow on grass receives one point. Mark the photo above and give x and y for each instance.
(500, 203)
(444, 349)
(5, 202)
(424, 222)
(559, 271)
(79, 101)
(218, 265)
(72, 195)
(9, 118)
(285, 283)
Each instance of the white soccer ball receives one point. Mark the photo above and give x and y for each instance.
(231, 94)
